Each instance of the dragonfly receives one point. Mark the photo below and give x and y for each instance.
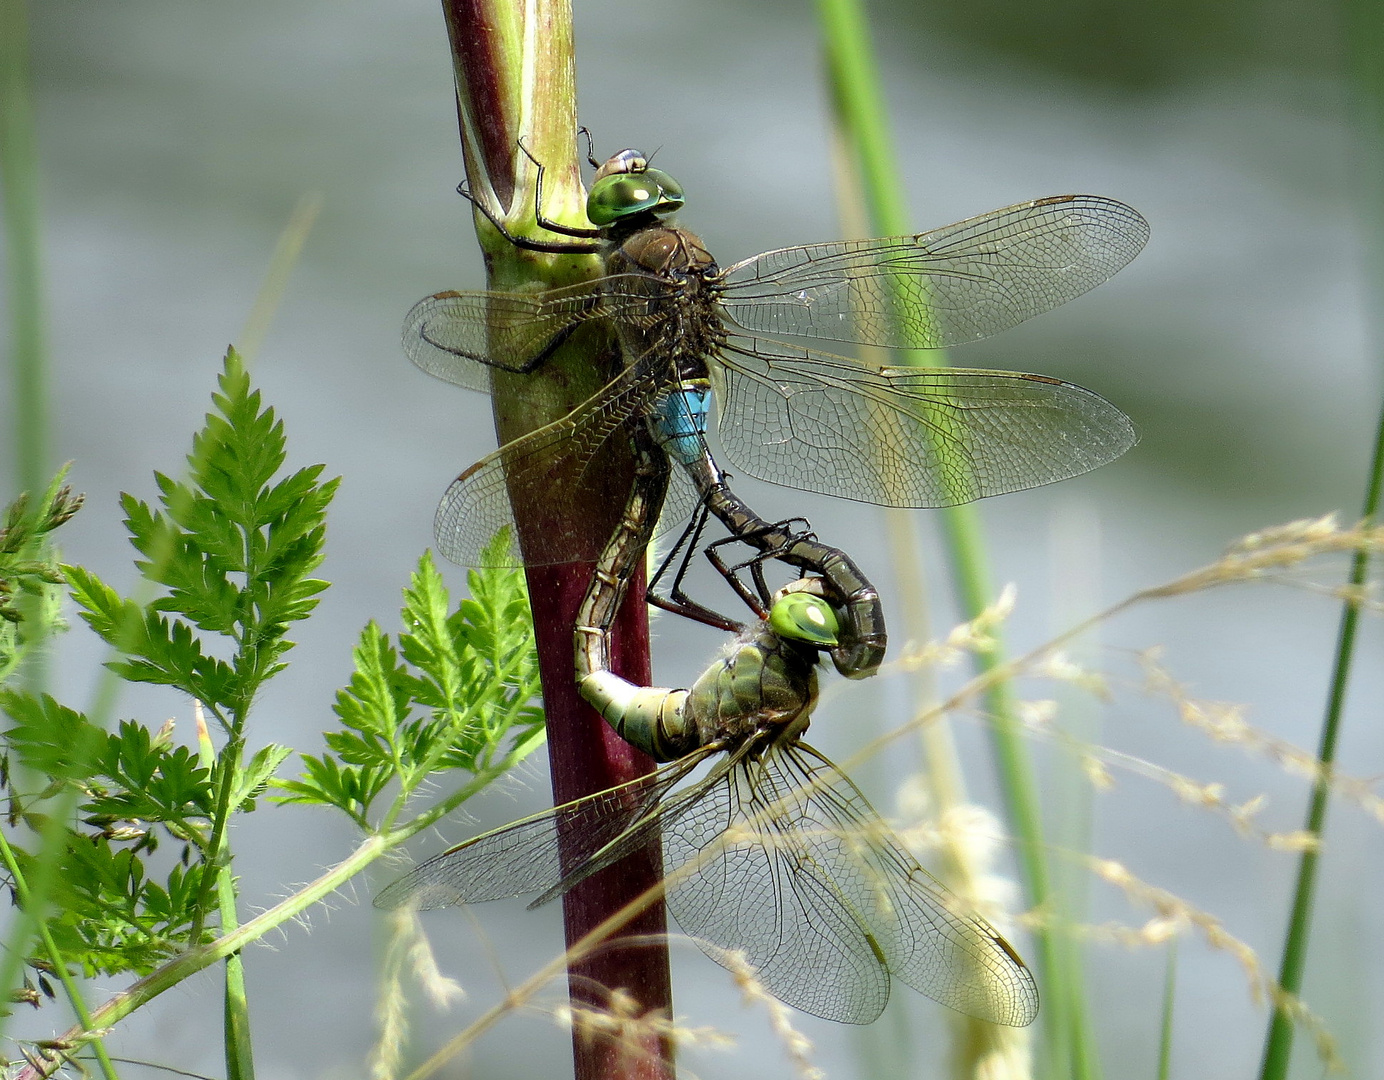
(689, 330)
(774, 853)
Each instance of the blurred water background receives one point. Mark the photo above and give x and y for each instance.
(176, 138)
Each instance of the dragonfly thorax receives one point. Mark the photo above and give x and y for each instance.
(681, 326)
(763, 683)
(667, 251)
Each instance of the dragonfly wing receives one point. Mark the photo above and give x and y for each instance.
(565, 465)
(927, 937)
(523, 857)
(745, 875)
(945, 287)
(646, 826)
(906, 436)
(462, 337)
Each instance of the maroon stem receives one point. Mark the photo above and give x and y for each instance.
(503, 96)
(586, 756)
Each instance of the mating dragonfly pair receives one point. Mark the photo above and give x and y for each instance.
(774, 852)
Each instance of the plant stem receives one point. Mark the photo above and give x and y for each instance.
(240, 1058)
(1278, 1046)
(19, 181)
(1365, 79)
(74, 993)
(516, 82)
(1165, 1032)
(859, 102)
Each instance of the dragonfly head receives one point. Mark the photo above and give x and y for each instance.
(625, 186)
(856, 650)
(803, 616)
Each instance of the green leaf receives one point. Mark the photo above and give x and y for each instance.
(155, 781)
(30, 602)
(256, 775)
(109, 917)
(50, 738)
(377, 700)
(458, 688)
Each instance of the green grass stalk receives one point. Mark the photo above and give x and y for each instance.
(19, 184)
(1278, 1046)
(55, 957)
(863, 116)
(1165, 1028)
(1364, 34)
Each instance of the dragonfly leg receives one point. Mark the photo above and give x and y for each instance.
(557, 226)
(774, 542)
(758, 599)
(585, 132)
(677, 601)
(555, 247)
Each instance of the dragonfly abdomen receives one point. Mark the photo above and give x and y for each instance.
(653, 718)
(679, 420)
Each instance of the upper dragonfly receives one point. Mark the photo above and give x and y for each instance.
(894, 436)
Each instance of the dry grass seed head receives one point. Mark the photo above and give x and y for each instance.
(1174, 910)
(797, 1045)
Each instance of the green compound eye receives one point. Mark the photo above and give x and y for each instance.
(622, 194)
(803, 617)
(672, 190)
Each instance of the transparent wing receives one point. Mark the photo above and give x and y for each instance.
(564, 465)
(923, 931)
(906, 436)
(768, 890)
(476, 506)
(462, 336)
(523, 857)
(945, 287)
(649, 825)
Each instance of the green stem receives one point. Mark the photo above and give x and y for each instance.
(1165, 1035)
(1278, 1046)
(217, 869)
(860, 103)
(19, 182)
(55, 958)
(240, 1058)
(228, 762)
(1364, 35)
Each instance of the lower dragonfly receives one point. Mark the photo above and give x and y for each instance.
(773, 853)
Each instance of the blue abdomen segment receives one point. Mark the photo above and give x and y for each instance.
(679, 421)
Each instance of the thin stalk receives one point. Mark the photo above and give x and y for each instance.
(19, 180)
(55, 958)
(859, 102)
(240, 1058)
(1278, 1046)
(1165, 1031)
(1365, 78)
